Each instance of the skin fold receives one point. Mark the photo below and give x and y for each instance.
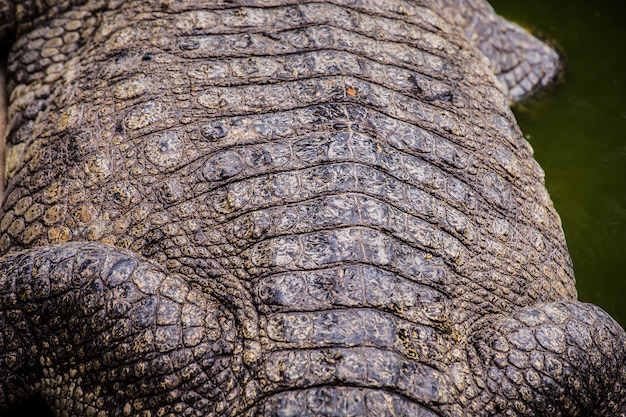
(285, 208)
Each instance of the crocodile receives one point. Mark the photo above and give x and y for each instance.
(285, 208)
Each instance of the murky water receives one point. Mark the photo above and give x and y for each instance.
(578, 131)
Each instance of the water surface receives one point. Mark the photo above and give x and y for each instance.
(578, 131)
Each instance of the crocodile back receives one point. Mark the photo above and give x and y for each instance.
(345, 177)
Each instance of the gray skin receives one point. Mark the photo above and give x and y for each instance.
(257, 208)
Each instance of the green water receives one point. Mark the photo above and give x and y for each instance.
(578, 131)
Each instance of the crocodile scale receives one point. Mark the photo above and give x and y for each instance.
(285, 208)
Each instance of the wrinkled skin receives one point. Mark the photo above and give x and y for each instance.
(216, 208)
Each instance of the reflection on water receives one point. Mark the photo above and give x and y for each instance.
(578, 131)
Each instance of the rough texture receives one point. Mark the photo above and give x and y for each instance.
(520, 62)
(309, 209)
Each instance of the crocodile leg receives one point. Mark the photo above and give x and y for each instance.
(554, 359)
(521, 62)
(75, 315)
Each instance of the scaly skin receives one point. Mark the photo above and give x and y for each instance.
(521, 62)
(309, 210)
